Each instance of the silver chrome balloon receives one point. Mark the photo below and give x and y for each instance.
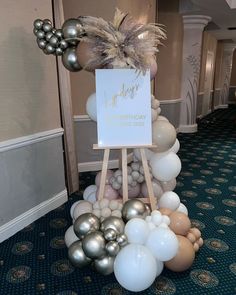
(48, 36)
(76, 255)
(70, 60)
(59, 51)
(133, 208)
(35, 31)
(72, 29)
(110, 234)
(58, 33)
(93, 245)
(114, 223)
(47, 27)
(41, 43)
(112, 248)
(53, 41)
(122, 240)
(38, 24)
(48, 21)
(63, 44)
(40, 34)
(85, 224)
(49, 49)
(104, 265)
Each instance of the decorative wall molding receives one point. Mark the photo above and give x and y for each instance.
(201, 93)
(218, 89)
(97, 165)
(30, 139)
(170, 101)
(81, 118)
(10, 228)
(221, 106)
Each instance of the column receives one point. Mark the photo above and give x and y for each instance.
(226, 69)
(193, 28)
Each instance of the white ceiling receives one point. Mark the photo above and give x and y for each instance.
(223, 16)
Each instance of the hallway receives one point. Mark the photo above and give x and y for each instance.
(35, 259)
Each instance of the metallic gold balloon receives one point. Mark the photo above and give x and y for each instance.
(122, 240)
(70, 61)
(76, 255)
(72, 29)
(85, 224)
(112, 248)
(110, 234)
(104, 265)
(133, 208)
(114, 223)
(93, 245)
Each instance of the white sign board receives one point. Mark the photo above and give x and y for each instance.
(123, 98)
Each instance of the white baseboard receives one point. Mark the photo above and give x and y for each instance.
(10, 228)
(97, 165)
(188, 128)
(221, 106)
(232, 102)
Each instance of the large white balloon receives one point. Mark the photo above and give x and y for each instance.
(81, 208)
(156, 189)
(165, 168)
(163, 136)
(89, 189)
(136, 231)
(135, 267)
(91, 107)
(148, 154)
(169, 200)
(70, 236)
(73, 207)
(163, 243)
(160, 266)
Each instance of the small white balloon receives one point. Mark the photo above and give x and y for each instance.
(70, 236)
(136, 231)
(163, 225)
(169, 200)
(135, 268)
(163, 243)
(156, 217)
(91, 107)
(151, 226)
(166, 219)
(89, 189)
(104, 203)
(182, 208)
(165, 168)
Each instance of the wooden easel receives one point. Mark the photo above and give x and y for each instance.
(151, 199)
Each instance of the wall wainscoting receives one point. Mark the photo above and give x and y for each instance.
(232, 95)
(171, 110)
(32, 179)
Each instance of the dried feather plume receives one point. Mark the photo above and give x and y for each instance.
(121, 43)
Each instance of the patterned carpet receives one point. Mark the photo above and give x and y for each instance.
(34, 261)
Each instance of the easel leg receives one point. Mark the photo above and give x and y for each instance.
(104, 174)
(148, 179)
(124, 175)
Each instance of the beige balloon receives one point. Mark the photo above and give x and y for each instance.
(163, 135)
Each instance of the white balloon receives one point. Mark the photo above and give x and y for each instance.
(81, 208)
(148, 154)
(92, 197)
(175, 147)
(70, 236)
(163, 243)
(89, 189)
(136, 231)
(166, 219)
(135, 268)
(156, 189)
(182, 208)
(160, 266)
(165, 168)
(169, 200)
(73, 207)
(168, 185)
(91, 107)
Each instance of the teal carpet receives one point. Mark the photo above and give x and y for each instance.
(34, 261)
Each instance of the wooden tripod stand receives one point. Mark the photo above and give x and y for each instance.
(151, 199)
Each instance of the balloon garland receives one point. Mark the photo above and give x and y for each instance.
(127, 239)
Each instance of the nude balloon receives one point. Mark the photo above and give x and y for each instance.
(98, 177)
(163, 135)
(109, 193)
(156, 189)
(184, 257)
(179, 223)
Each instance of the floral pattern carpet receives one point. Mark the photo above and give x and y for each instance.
(34, 261)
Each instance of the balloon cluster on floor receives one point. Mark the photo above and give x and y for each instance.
(136, 243)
